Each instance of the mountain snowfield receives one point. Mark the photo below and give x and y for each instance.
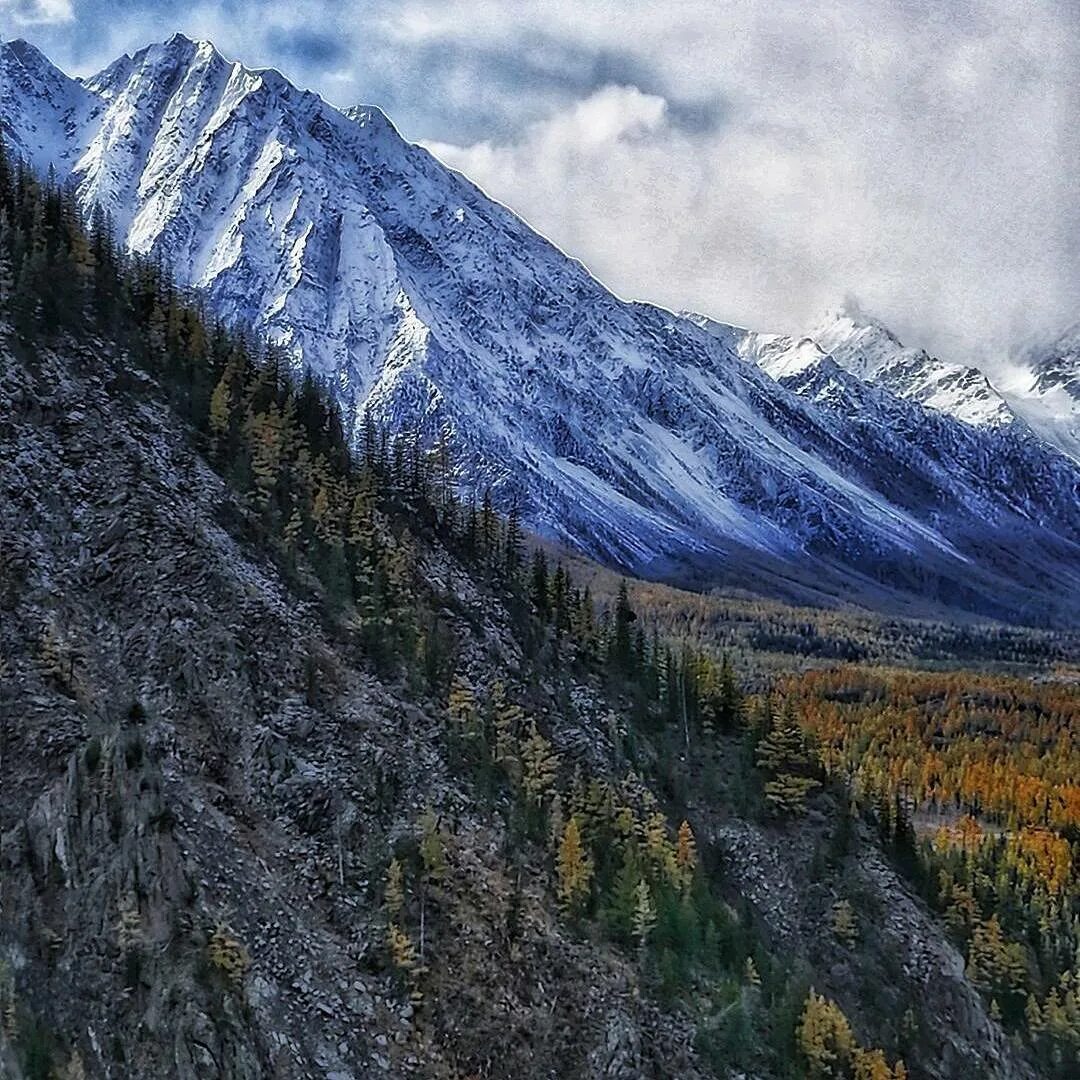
(841, 464)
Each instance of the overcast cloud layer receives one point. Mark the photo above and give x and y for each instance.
(755, 161)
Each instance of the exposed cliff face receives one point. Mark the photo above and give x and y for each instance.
(630, 432)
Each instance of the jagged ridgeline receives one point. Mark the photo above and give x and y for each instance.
(310, 768)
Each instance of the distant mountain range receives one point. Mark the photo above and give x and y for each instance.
(840, 464)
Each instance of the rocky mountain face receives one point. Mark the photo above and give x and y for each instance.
(631, 433)
(204, 782)
(188, 745)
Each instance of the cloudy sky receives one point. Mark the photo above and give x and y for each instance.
(757, 161)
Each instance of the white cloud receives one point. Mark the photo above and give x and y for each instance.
(37, 12)
(921, 158)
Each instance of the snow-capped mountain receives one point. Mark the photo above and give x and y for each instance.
(1042, 385)
(632, 433)
(1038, 390)
(868, 349)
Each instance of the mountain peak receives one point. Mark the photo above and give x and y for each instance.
(182, 49)
(849, 319)
(868, 349)
(178, 52)
(24, 52)
(180, 39)
(370, 116)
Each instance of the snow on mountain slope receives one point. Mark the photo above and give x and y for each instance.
(1039, 389)
(632, 433)
(51, 133)
(1042, 385)
(869, 350)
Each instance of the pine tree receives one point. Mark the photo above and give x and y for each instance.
(574, 868)
(488, 528)
(462, 708)
(871, 1065)
(322, 516)
(362, 513)
(403, 956)
(539, 764)
(513, 542)
(583, 622)
(686, 855)
(782, 751)
(432, 848)
(507, 720)
(363, 539)
(655, 842)
(995, 965)
(621, 655)
(263, 431)
(825, 1038)
(622, 899)
(399, 565)
(538, 585)
(394, 895)
(221, 411)
(729, 705)
(228, 955)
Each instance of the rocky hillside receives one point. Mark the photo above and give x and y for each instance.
(307, 774)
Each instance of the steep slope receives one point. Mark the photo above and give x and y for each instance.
(188, 745)
(619, 428)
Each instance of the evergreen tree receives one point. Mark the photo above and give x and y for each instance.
(644, 918)
(621, 653)
(686, 855)
(513, 543)
(622, 898)
(729, 705)
(394, 895)
(538, 584)
(432, 848)
(539, 765)
(462, 707)
(507, 720)
(488, 526)
(783, 753)
(575, 869)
